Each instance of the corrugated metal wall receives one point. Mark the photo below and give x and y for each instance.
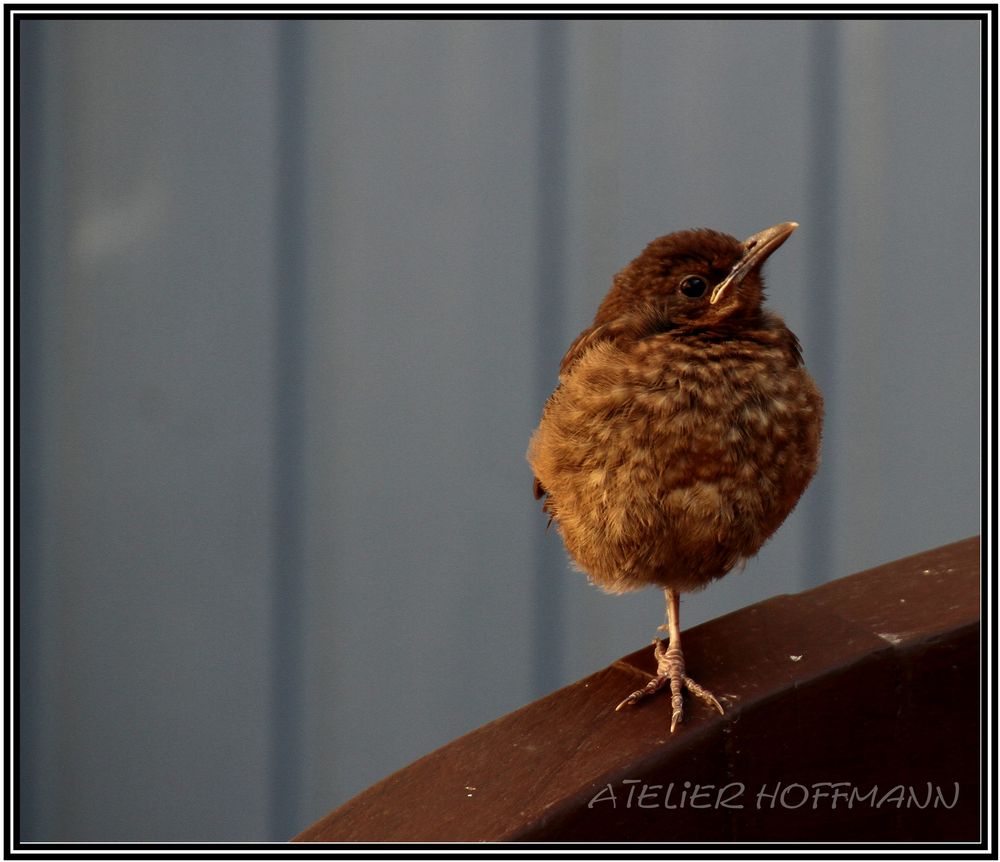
(292, 296)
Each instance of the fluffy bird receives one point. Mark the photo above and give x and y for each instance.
(682, 432)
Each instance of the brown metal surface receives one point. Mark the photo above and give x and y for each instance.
(852, 714)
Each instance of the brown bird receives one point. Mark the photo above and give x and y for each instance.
(683, 430)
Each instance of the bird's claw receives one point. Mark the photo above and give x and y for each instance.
(651, 687)
(703, 693)
(670, 671)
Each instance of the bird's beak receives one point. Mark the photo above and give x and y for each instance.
(756, 249)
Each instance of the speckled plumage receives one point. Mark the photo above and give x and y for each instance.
(683, 430)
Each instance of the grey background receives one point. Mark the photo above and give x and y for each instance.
(292, 296)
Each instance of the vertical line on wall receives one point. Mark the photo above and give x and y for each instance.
(549, 599)
(822, 272)
(44, 59)
(862, 272)
(287, 689)
(31, 47)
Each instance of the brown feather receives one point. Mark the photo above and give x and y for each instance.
(681, 433)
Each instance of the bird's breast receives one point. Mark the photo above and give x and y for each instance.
(666, 461)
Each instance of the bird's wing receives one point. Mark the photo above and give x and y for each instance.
(641, 322)
(581, 344)
(628, 327)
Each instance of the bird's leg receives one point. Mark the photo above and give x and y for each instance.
(670, 668)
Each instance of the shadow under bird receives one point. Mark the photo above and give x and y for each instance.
(683, 430)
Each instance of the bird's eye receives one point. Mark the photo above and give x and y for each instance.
(694, 286)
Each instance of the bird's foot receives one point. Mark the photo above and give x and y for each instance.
(670, 671)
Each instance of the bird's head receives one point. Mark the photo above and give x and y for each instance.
(696, 278)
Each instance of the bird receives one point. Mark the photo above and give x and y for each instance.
(683, 430)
